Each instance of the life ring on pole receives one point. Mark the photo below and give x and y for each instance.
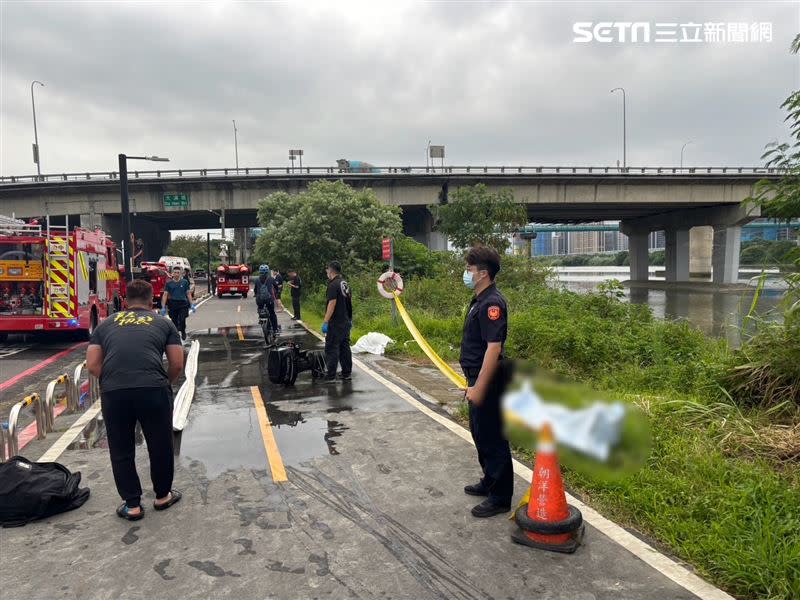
(388, 283)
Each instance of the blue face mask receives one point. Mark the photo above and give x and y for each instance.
(468, 280)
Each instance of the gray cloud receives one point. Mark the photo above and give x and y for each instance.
(496, 83)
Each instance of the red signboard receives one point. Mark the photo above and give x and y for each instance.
(387, 248)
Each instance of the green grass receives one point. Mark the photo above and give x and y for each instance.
(707, 493)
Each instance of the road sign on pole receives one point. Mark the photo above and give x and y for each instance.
(387, 248)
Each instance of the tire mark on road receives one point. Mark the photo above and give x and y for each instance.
(426, 563)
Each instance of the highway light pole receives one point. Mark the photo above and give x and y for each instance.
(682, 148)
(236, 145)
(127, 246)
(624, 129)
(35, 133)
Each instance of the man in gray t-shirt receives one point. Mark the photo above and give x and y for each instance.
(126, 353)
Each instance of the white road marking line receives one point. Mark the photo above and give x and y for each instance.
(642, 550)
(198, 305)
(7, 353)
(70, 434)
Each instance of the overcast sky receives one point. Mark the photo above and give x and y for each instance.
(497, 83)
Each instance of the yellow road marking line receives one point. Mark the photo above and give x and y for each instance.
(240, 332)
(273, 454)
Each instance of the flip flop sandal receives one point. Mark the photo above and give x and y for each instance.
(176, 496)
(122, 511)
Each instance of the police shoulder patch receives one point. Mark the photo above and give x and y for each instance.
(494, 312)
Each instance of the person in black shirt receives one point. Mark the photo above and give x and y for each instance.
(264, 292)
(337, 323)
(482, 344)
(276, 275)
(125, 352)
(295, 284)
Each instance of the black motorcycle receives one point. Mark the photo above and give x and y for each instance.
(287, 360)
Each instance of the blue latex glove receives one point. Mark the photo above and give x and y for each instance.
(325, 327)
(163, 311)
(194, 308)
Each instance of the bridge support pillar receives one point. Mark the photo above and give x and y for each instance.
(240, 239)
(725, 256)
(701, 241)
(638, 254)
(677, 254)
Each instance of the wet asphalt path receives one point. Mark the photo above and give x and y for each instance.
(372, 505)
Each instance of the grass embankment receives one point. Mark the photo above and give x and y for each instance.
(717, 490)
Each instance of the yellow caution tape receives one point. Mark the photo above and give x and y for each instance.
(446, 370)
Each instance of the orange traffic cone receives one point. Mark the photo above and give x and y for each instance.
(546, 521)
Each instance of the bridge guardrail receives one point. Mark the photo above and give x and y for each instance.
(386, 171)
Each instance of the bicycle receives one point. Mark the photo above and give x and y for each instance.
(270, 334)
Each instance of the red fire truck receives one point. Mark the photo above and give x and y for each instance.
(233, 279)
(54, 279)
(157, 273)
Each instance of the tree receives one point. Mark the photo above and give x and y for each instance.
(475, 215)
(328, 221)
(781, 199)
(193, 247)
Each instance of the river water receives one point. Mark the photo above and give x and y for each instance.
(715, 312)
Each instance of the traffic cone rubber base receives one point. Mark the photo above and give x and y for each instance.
(557, 536)
(567, 547)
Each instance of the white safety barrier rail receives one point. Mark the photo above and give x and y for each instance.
(185, 395)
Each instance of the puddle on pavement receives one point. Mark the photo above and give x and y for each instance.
(221, 437)
(223, 432)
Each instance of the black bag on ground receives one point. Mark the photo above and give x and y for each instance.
(31, 491)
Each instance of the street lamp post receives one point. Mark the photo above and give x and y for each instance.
(126, 211)
(296, 154)
(236, 145)
(624, 129)
(35, 133)
(682, 148)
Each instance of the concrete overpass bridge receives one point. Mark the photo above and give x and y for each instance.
(698, 208)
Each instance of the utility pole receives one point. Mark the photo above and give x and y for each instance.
(127, 246)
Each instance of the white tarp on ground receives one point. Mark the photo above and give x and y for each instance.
(593, 430)
(185, 395)
(373, 343)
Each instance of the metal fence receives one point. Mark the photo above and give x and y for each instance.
(44, 409)
(377, 172)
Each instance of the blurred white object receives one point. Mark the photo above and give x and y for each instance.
(593, 430)
(373, 343)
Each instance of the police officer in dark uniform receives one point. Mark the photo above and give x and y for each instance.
(482, 345)
(337, 323)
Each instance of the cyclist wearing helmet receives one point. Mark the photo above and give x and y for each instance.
(265, 295)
